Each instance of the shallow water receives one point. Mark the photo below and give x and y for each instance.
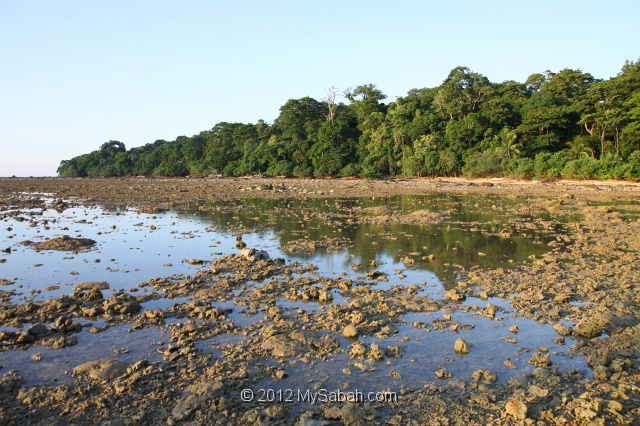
(128, 252)
(469, 237)
(423, 352)
(122, 343)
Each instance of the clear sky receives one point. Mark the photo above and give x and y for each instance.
(77, 73)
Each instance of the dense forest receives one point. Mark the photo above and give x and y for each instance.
(565, 124)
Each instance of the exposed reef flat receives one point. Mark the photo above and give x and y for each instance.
(243, 326)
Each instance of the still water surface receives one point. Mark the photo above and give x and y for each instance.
(133, 247)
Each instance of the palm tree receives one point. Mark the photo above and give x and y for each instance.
(508, 145)
(578, 148)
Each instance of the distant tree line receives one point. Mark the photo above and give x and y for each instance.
(564, 124)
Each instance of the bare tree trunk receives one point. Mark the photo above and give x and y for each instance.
(602, 140)
(330, 99)
(589, 130)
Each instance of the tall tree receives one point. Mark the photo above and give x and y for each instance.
(366, 104)
(462, 93)
(298, 120)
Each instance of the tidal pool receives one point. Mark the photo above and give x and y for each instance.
(134, 247)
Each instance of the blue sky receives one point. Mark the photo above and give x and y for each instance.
(77, 73)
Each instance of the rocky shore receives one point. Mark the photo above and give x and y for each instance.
(585, 287)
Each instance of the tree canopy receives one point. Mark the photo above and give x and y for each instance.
(564, 123)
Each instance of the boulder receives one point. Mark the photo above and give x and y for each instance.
(460, 346)
(516, 408)
(590, 326)
(92, 285)
(454, 295)
(121, 303)
(194, 396)
(350, 331)
(102, 369)
(254, 255)
(282, 346)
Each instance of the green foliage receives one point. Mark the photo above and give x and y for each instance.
(350, 170)
(369, 171)
(556, 164)
(522, 168)
(631, 169)
(579, 147)
(541, 164)
(449, 163)
(326, 153)
(507, 145)
(565, 124)
(581, 168)
(485, 163)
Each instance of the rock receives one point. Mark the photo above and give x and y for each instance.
(28, 395)
(617, 365)
(490, 311)
(601, 373)
(310, 292)
(358, 349)
(376, 275)
(537, 391)
(253, 255)
(325, 296)
(600, 357)
(31, 307)
(484, 376)
(562, 329)
(443, 373)
(454, 295)
(380, 210)
(93, 294)
(350, 331)
(540, 360)
(615, 406)
(282, 346)
(10, 381)
(375, 353)
(352, 414)
(102, 370)
(590, 326)
(121, 303)
(274, 312)
(64, 243)
(92, 285)
(91, 311)
(507, 363)
(25, 338)
(59, 304)
(516, 408)
(38, 330)
(194, 396)
(460, 346)
(155, 315)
